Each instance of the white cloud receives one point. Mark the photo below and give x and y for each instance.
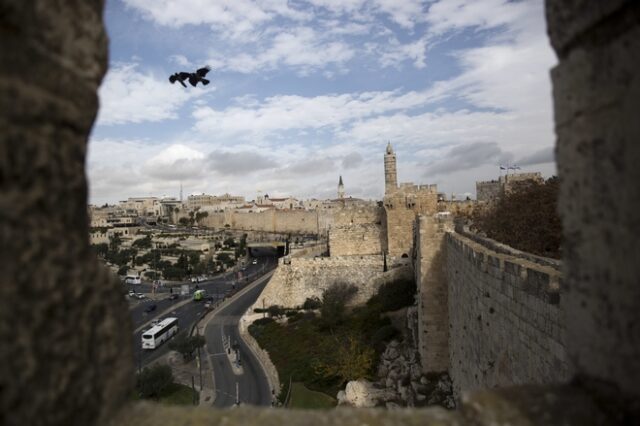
(296, 140)
(395, 53)
(299, 48)
(181, 60)
(130, 96)
(451, 15)
(281, 113)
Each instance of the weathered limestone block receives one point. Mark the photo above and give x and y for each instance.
(65, 356)
(362, 393)
(596, 88)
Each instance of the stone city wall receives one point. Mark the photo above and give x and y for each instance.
(506, 318)
(432, 293)
(294, 221)
(352, 240)
(297, 279)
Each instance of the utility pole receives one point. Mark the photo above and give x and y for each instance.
(237, 394)
(193, 387)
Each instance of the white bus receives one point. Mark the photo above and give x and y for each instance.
(132, 279)
(153, 337)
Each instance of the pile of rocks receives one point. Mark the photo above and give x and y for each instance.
(400, 383)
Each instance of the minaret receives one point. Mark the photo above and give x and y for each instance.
(390, 174)
(340, 189)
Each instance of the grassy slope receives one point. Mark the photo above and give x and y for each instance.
(301, 397)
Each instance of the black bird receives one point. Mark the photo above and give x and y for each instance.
(192, 77)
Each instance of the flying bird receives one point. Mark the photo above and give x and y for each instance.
(192, 77)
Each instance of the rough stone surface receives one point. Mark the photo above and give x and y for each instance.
(362, 393)
(596, 90)
(65, 356)
(507, 318)
(300, 278)
(356, 240)
(431, 281)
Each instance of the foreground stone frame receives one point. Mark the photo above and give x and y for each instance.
(66, 357)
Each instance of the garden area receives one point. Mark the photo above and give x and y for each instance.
(324, 344)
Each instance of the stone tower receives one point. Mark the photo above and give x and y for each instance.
(340, 189)
(390, 174)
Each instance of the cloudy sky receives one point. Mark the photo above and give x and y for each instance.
(303, 91)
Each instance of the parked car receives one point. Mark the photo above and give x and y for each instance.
(155, 322)
(254, 261)
(132, 293)
(150, 308)
(140, 296)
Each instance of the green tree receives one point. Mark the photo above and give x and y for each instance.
(101, 249)
(201, 215)
(186, 345)
(334, 300)
(142, 242)
(114, 242)
(152, 381)
(352, 360)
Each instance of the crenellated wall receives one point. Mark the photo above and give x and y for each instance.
(506, 317)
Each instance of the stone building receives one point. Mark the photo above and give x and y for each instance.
(402, 204)
(492, 189)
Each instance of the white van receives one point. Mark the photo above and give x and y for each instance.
(132, 279)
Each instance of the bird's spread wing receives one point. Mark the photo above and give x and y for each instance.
(203, 71)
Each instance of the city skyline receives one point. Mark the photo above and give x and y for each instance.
(303, 92)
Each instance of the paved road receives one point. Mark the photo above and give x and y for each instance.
(252, 383)
(188, 314)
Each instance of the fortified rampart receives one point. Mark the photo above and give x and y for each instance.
(295, 221)
(297, 279)
(355, 240)
(490, 315)
(506, 316)
(401, 209)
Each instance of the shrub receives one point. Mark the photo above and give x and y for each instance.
(263, 321)
(334, 300)
(152, 381)
(384, 334)
(312, 303)
(394, 295)
(275, 311)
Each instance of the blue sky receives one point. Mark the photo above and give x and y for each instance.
(305, 91)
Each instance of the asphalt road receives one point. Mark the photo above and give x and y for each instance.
(188, 314)
(252, 383)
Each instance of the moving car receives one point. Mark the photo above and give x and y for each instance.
(174, 296)
(150, 308)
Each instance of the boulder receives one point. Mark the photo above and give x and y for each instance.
(362, 393)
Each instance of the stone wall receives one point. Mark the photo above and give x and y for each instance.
(432, 294)
(294, 221)
(596, 91)
(297, 279)
(488, 190)
(65, 329)
(506, 316)
(352, 240)
(401, 209)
